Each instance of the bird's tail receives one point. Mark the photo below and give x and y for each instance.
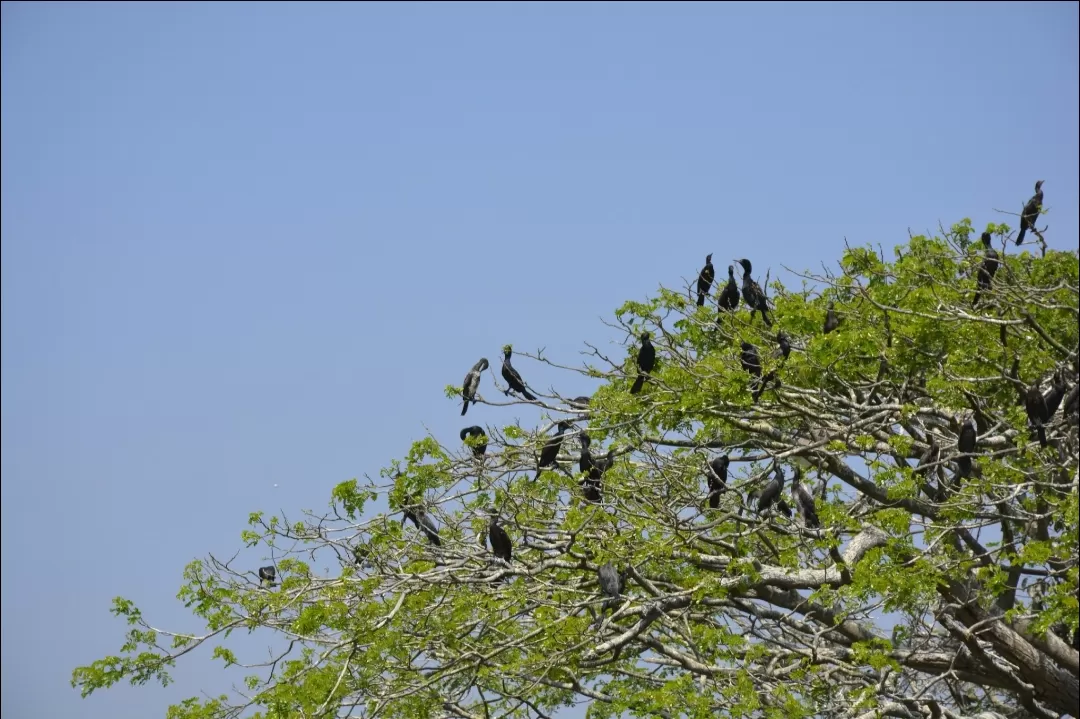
(464, 408)
(1020, 237)
(539, 471)
(700, 299)
(528, 395)
(765, 316)
(1042, 435)
(965, 466)
(638, 383)
(975, 300)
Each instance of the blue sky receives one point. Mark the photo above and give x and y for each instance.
(240, 240)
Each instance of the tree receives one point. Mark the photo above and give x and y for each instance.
(939, 583)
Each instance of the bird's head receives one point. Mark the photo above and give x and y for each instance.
(483, 364)
(644, 336)
(508, 350)
(1038, 185)
(747, 267)
(746, 346)
(986, 239)
(708, 259)
(564, 425)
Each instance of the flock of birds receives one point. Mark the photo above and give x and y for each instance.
(1040, 409)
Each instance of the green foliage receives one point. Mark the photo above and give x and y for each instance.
(726, 611)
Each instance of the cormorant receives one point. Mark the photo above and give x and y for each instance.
(965, 444)
(612, 583)
(783, 345)
(831, 320)
(753, 295)
(498, 539)
(550, 451)
(772, 490)
(593, 468)
(471, 384)
(804, 501)
(1037, 411)
(987, 269)
(415, 513)
(478, 450)
(267, 575)
(750, 360)
(512, 377)
(1055, 394)
(705, 280)
(729, 297)
(1030, 213)
(646, 360)
(716, 475)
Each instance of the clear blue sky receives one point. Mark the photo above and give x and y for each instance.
(238, 239)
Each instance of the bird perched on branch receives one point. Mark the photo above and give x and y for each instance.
(497, 538)
(512, 377)
(471, 384)
(267, 575)
(705, 280)
(987, 269)
(804, 501)
(716, 476)
(1037, 411)
(772, 490)
(550, 452)
(646, 360)
(965, 443)
(480, 448)
(753, 295)
(593, 468)
(1030, 213)
(831, 320)
(729, 297)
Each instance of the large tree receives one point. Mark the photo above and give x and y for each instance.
(940, 578)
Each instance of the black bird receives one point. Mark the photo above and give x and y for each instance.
(1037, 412)
(750, 360)
(1055, 394)
(804, 501)
(593, 468)
(471, 384)
(512, 377)
(771, 493)
(550, 452)
(965, 444)
(427, 526)
(415, 513)
(753, 295)
(716, 476)
(612, 583)
(1030, 213)
(498, 539)
(478, 450)
(783, 345)
(729, 297)
(831, 320)
(705, 280)
(783, 508)
(646, 360)
(580, 402)
(987, 269)
(267, 575)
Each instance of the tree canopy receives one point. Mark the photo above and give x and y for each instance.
(924, 566)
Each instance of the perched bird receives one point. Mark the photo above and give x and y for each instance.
(414, 512)
(1055, 394)
(705, 280)
(1030, 213)
(771, 493)
(1037, 411)
(965, 443)
(987, 269)
(471, 384)
(804, 501)
(550, 451)
(750, 360)
(612, 583)
(783, 345)
(729, 297)
(592, 468)
(753, 294)
(267, 575)
(480, 448)
(512, 377)
(716, 476)
(646, 360)
(498, 539)
(831, 320)
(580, 402)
